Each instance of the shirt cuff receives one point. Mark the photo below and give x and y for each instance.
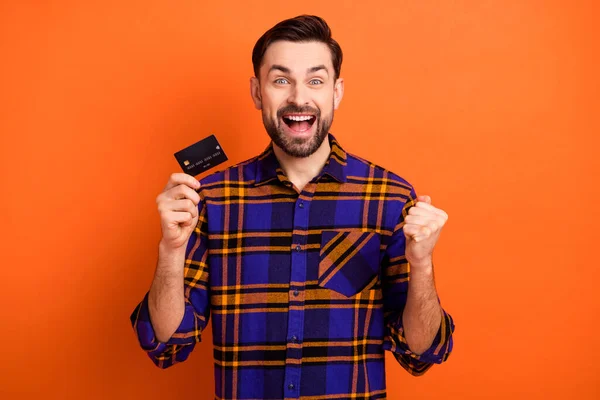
(142, 325)
(437, 353)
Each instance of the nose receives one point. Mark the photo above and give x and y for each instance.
(298, 95)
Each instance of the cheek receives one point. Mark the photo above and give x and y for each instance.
(326, 107)
(326, 102)
(275, 94)
(271, 104)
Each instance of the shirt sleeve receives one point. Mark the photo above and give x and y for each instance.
(395, 281)
(197, 305)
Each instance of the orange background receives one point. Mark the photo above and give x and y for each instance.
(490, 107)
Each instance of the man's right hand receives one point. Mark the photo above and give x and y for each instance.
(178, 209)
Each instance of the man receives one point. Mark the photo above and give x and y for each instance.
(312, 261)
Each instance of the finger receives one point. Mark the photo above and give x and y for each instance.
(418, 229)
(184, 192)
(179, 178)
(180, 217)
(422, 211)
(433, 221)
(419, 233)
(432, 225)
(425, 232)
(421, 220)
(185, 205)
(424, 198)
(411, 231)
(427, 206)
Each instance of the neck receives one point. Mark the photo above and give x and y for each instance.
(300, 171)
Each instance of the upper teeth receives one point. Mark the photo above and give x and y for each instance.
(299, 117)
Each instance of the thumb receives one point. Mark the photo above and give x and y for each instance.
(425, 199)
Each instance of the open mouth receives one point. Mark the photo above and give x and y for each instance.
(299, 122)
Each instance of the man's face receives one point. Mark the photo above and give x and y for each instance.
(297, 94)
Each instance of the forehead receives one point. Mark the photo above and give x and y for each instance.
(297, 56)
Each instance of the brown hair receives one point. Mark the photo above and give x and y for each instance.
(303, 28)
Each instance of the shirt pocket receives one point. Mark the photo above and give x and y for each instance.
(348, 261)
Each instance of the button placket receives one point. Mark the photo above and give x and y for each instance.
(297, 296)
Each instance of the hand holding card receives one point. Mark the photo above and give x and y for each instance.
(178, 209)
(178, 203)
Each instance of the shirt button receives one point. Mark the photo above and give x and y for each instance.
(291, 386)
(296, 293)
(301, 205)
(294, 339)
(298, 248)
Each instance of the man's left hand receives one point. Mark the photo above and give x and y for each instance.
(422, 228)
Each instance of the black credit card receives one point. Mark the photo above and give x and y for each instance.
(201, 156)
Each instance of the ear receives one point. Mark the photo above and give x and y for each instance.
(255, 92)
(338, 93)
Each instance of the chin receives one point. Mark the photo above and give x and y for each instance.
(300, 147)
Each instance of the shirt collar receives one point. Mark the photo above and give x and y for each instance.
(268, 167)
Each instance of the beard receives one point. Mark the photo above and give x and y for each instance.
(298, 147)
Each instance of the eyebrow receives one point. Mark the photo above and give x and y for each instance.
(281, 68)
(318, 68)
(286, 70)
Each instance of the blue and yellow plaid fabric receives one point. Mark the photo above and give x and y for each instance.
(306, 290)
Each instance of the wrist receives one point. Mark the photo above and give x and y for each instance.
(422, 266)
(170, 259)
(167, 249)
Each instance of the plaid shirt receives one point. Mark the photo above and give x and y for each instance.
(306, 290)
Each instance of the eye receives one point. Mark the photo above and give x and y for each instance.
(315, 82)
(281, 81)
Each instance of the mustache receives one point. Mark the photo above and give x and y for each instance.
(298, 110)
